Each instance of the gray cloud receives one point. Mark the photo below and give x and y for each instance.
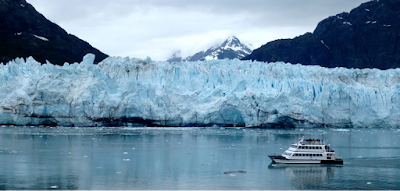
(157, 28)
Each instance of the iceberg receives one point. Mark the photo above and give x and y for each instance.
(141, 92)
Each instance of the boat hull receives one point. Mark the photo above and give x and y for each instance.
(282, 160)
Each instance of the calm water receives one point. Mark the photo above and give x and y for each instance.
(191, 158)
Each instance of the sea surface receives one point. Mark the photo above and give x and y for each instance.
(191, 158)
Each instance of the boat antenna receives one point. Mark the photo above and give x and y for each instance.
(301, 139)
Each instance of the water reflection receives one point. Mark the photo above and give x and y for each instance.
(190, 158)
(40, 182)
(306, 176)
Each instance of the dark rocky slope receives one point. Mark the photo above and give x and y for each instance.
(367, 37)
(24, 32)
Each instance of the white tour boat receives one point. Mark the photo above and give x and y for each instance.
(310, 151)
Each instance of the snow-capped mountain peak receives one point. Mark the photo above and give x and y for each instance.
(232, 43)
(231, 48)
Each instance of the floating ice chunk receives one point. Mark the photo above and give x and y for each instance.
(341, 130)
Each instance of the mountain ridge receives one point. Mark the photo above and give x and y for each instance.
(366, 37)
(231, 48)
(24, 32)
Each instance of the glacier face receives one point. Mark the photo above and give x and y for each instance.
(128, 91)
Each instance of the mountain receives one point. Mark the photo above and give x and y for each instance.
(231, 48)
(24, 32)
(133, 92)
(367, 37)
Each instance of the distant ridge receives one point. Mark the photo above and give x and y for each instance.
(367, 37)
(24, 32)
(231, 48)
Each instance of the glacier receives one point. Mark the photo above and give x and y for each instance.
(141, 92)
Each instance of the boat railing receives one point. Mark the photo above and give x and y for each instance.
(313, 143)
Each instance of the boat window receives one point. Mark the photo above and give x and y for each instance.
(306, 147)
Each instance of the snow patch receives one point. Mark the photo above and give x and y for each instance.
(41, 38)
(325, 44)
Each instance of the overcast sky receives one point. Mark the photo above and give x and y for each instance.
(158, 28)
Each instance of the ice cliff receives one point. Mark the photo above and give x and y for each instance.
(128, 91)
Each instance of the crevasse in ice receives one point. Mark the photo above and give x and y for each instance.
(129, 91)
